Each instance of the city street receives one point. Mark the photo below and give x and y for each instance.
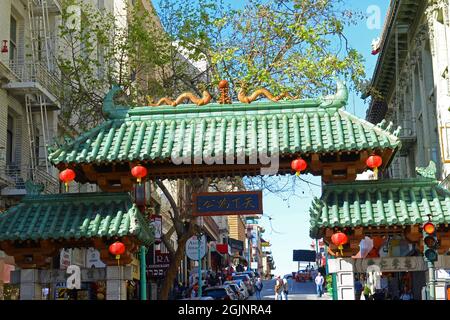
(297, 291)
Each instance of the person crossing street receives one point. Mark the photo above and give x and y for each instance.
(258, 288)
(319, 284)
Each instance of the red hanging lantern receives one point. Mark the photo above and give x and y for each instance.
(374, 162)
(339, 239)
(67, 176)
(139, 172)
(298, 165)
(5, 46)
(117, 248)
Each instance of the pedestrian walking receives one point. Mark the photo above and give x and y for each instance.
(319, 284)
(367, 292)
(358, 289)
(285, 289)
(258, 288)
(278, 288)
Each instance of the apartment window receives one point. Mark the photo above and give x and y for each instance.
(13, 39)
(10, 141)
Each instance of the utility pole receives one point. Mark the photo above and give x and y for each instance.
(199, 238)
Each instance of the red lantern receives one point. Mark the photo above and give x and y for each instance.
(298, 165)
(374, 162)
(117, 248)
(67, 176)
(5, 46)
(339, 239)
(139, 172)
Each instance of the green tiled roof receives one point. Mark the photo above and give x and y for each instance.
(189, 131)
(380, 203)
(74, 216)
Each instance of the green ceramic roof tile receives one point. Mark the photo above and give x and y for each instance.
(380, 203)
(284, 127)
(80, 215)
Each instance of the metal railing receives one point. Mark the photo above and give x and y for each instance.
(20, 174)
(28, 71)
(408, 128)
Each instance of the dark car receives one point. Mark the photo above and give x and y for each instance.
(220, 293)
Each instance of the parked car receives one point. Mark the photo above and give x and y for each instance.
(235, 289)
(220, 293)
(247, 281)
(242, 288)
(199, 298)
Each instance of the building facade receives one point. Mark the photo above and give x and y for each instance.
(411, 84)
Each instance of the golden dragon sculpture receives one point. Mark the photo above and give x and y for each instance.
(205, 99)
(161, 102)
(242, 95)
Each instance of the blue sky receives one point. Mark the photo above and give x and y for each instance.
(288, 228)
(290, 223)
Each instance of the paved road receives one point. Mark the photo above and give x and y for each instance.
(297, 291)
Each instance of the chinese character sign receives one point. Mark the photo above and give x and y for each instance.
(227, 203)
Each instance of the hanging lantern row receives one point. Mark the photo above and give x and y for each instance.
(139, 172)
(298, 165)
(374, 162)
(66, 176)
(339, 239)
(117, 249)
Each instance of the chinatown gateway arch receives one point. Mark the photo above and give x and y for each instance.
(173, 140)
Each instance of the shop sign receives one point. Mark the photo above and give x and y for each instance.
(227, 203)
(236, 244)
(87, 275)
(156, 223)
(160, 265)
(93, 259)
(223, 248)
(192, 247)
(135, 269)
(390, 264)
(74, 279)
(78, 257)
(65, 258)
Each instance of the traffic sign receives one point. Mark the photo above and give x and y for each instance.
(192, 247)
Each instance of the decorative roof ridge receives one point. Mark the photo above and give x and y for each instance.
(80, 197)
(380, 127)
(374, 184)
(111, 110)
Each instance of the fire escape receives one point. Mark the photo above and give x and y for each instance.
(36, 85)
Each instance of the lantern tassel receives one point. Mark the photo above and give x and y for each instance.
(375, 173)
(297, 173)
(340, 247)
(139, 181)
(67, 186)
(118, 258)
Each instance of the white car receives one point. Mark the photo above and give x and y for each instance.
(242, 287)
